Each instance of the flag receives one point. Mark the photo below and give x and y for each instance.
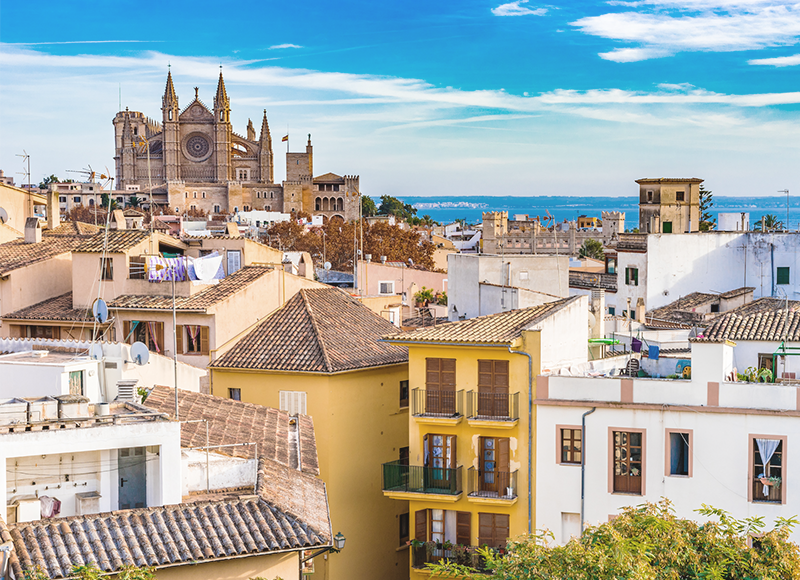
(285, 138)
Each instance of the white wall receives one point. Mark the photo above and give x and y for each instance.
(224, 471)
(33, 378)
(565, 336)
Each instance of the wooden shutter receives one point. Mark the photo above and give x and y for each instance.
(451, 443)
(57, 332)
(432, 374)
(503, 458)
(440, 373)
(500, 380)
(126, 331)
(448, 374)
(179, 338)
(463, 531)
(627, 275)
(421, 525)
(160, 335)
(484, 376)
(204, 340)
(493, 530)
(501, 529)
(426, 452)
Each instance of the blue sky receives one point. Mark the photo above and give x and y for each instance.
(418, 98)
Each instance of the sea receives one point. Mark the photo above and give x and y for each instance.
(448, 209)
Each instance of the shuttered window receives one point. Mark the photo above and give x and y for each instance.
(293, 402)
(440, 385)
(493, 530)
(463, 528)
(421, 525)
(493, 388)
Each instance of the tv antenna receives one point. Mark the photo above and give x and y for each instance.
(786, 191)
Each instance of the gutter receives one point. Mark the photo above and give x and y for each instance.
(583, 464)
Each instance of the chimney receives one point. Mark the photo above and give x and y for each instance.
(53, 210)
(640, 310)
(598, 309)
(33, 231)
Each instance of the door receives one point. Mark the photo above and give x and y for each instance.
(440, 386)
(132, 478)
(440, 459)
(494, 475)
(493, 388)
(627, 462)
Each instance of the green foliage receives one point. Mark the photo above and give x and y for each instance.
(88, 571)
(129, 572)
(706, 203)
(425, 220)
(441, 298)
(592, 249)
(134, 201)
(45, 183)
(648, 542)
(393, 206)
(368, 207)
(425, 295)
(106, 201)
(35, 573)
(770, 223)
(754, 375)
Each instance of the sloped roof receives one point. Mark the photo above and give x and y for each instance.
(501, 328)
(118, 241)
(201, 301)
(763, 320)
(329, 177)
(321, 330)
(58, 308)
(65, 238)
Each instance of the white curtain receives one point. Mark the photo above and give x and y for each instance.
(766, 448)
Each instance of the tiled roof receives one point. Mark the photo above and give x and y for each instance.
(58, 308)
(226, 288)
(502, 328)
(593, 280)
(329, 177)
(232, 421)
(118, 241)
(632, 243)
(763, 319)
(318, 330)
(669, 180)
(65, 238)
(682, 310)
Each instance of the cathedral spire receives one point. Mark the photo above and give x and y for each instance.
(221, 100)
(265, 135)
(169, 93)
(127, 131)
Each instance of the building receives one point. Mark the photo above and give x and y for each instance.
(699, 308)
(669, 205)
(321, 355)
(195, 160)
(18, 204)
(384, 278)
(467, 470)
(481, 284)
(703, 440)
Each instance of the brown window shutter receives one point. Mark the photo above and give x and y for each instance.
(421, 525)
(501, 530)
(463, 531)
(451, 441)
(204, 340)
(484, 375)
(57, 332)
(501, 374)
(485, 529)
(179, 338)
(503, 459)
(160, 335)
(432, 373)
(126, 330)
(448, 379)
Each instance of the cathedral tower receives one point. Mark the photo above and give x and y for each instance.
(222, 131)
(265, 152)
(128, 152)
(171, 144)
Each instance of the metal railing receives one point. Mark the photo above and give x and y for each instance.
(464, 555)
(437, 403)
(496, 484)
(419, 479)
(493, 406)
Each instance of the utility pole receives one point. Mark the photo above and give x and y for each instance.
(27, 173)
(786, 191)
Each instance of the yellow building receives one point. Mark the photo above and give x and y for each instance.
(467, 476)
(320, 354)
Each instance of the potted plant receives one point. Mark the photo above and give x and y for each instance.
(770, 481)
(430, 547)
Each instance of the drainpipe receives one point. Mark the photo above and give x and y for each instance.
(583, 464)
(530, 435)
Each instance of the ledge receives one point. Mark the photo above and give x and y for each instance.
(413, 495)
(425, 420)
(491, 424)
(492, 500)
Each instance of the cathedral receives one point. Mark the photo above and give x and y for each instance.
(195, 160)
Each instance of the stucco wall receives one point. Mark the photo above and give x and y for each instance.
(35, 283)
(285, 566)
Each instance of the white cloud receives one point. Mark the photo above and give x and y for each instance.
(516, 9)
(278, 46)
(667, 27)
(778, 61)
(78, 42)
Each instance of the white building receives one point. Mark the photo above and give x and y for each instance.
(693, 441)
(480, 284)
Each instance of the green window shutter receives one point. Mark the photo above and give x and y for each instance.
(635, 273)
(783, 275)
(667, 227)
(627, 275)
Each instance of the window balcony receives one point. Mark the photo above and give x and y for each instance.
(773, 493)
(437, 407)
(493, 409)
(432, 553)
(406, 481)
(492, 487)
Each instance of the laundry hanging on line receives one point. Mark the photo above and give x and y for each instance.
(165, 269)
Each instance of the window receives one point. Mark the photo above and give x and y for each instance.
(106, 268)
(714, 308)
(680, 195)
(76, 383)
(169, 115)
(234, 261)
(612, 310)
(77, 199)
(403, 393)
(403, 455)
(192, 339)
(765, 361)
(493, 388)
(649, 196)
(386, 287)
(149, 332)
(666, 227)
(494, 475)
(440, 386)
(293, 402)
(33, 331)
(632, 276)
(194, 195)
(783, 275)
(493, 530)
(571, 445)
(628, 462)
(63, 198)
(402, 521)
(204, 195)
(443, 525)
(441, 458)
(679, 453)
(767, 469)
(216, 209)
(235, 394)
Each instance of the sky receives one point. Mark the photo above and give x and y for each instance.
(462, 98)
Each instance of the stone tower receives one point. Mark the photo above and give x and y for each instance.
(222, 131)
(171, 132)
(265, 152)
(128, 151)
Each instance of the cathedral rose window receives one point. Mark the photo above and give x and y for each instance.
(197, 146)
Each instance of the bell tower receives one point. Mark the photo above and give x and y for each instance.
(170, 111)
(222, 131)
(265, 152)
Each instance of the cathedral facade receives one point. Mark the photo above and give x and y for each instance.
(193, 159)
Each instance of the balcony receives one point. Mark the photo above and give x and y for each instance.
(437, 407)
(499, 410)
(404, 481)
(773, 493)
(430, 553)
(495, 487)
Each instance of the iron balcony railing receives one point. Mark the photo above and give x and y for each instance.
(419, 479)
(493, 406)
(437, 403)
(430, 553)
(494, 484)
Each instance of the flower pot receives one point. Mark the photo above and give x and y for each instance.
(765, 481)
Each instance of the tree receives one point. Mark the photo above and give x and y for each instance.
(706, 203)
(45, 184)
(592, 249)
(368, 207)
(648, 542)
(106, 201)
(135, 201)
(770, 223)
(393, 206)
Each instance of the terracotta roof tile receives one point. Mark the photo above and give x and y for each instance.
(764, 319)
(65, 238)
(502, 328)
(118, 241)
(226, 288)
(58, 308)
(317, 330)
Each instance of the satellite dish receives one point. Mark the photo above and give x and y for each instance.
(139, 353)
(100, 310)
(327, 265)
(96, 351)
(3, 216)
